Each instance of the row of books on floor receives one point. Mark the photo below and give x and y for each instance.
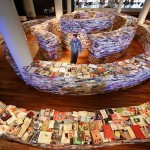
(52, 128)
(79, 25)
(107, 43)
(86, 79)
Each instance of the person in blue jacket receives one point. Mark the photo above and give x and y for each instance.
(76, 48)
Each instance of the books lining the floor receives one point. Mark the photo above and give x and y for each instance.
(50, 128)
(87, 79)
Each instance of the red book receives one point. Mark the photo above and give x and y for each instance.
(137, 131)
(53, 74)
(108, 132)
(148, 127)
(60, 116)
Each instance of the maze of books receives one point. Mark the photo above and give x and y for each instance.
(87, 79)
(48, 128)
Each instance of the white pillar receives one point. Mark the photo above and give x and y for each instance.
(144, 12)
(120, 6)
(58, 8)
(13, 34)
(29, 7)
(68, 6)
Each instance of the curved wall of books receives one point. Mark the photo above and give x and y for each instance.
(48, 128)
(88, 79)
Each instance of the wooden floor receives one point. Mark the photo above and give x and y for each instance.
(14, 91)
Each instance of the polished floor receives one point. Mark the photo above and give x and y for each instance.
(14, 91)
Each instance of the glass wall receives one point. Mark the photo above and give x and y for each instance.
(108, 3)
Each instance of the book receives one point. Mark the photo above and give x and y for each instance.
(137, 131)
(44, 137)
(108, 132)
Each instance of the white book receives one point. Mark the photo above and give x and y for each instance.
(63, 69)
(12, 119)
(112, 125)
(3, 129)
(103, 113)
(131, 133)
(138, 120)
(103, 137)
(24, 127)
(25, 136)
(51, 124)
(65, 137)
(44, 137)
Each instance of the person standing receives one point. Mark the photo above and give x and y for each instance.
(76, 48)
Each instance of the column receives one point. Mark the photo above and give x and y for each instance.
(120, 6)
(58, 8)
(144, 12)
(69, 6)
(13, 34)
(29, 7)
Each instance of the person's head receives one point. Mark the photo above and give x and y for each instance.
(75, 37)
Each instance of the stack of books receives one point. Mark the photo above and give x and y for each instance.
(50, 44)
(49, 128)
